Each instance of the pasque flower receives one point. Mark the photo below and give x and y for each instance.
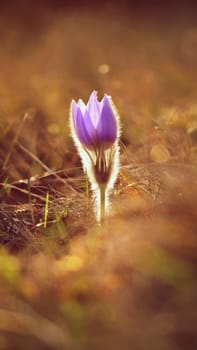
(95, 130)
(95, 124)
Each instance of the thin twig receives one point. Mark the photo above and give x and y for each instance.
(26, 115)
(23, 191)
(46, 210)
(44, 166)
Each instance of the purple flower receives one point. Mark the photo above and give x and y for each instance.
(95, 124)
(95, 129)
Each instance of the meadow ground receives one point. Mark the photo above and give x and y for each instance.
(65, 282)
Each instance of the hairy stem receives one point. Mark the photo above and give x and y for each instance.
(102, 203)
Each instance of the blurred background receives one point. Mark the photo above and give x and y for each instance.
(142, 53)
(132, 283)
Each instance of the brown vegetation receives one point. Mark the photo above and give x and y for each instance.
(67, 283)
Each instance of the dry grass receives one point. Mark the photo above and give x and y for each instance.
(130, 284)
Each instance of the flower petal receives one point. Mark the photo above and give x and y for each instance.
(94, 108)
(89, 126)
(107, 127)
(82, 106)
(74, 108)
(81, 130)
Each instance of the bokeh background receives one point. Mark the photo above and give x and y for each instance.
(130, 284)
(141, 53)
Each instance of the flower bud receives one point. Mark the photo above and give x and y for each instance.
(95, 130)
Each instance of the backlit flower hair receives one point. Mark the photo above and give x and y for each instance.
(95, 129)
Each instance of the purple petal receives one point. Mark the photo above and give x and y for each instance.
(82, 106)
(81, 130)
(74, 108)
(89, 126)
(107, 127)
(94, 108)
